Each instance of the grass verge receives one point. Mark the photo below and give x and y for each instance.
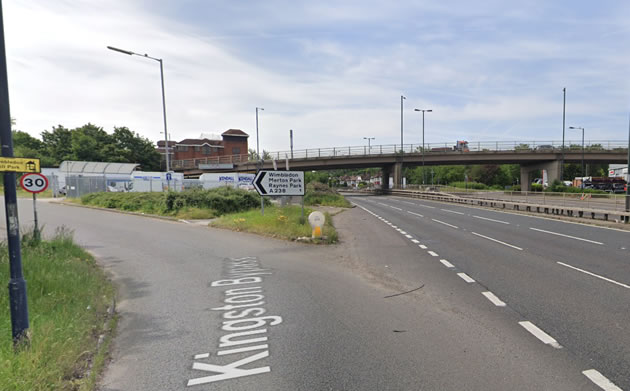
(278, 222)
(321, 194)
(68, 298)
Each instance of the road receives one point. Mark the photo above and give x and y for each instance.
(570, 280)
(209, 309)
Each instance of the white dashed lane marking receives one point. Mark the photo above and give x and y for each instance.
(447, 263)
(452, 211)
(466, 277)
(497, 241)
(203, 355)
(415, 241)
(432, 253)
(422, 246)
(567, 236)
(495, 300)
(489, 219)
(601, 380)
(415, 214)
(541, 335)
(594, 275)
(447, 224)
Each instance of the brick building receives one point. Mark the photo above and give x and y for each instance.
(232, 142)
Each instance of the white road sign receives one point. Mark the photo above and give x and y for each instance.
(290, 183)
(34, 183)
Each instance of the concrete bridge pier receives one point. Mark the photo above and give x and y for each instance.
(385, 177)
(398, 175)
(553, 173)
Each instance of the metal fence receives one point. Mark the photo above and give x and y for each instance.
(590, 146)
(78, 186)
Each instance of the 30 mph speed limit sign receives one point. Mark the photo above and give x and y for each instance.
(34, 183)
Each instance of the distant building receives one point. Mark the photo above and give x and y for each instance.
(230, 142)
(618, 170)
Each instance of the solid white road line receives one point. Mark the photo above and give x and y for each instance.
(415, 241)
(447, 263)
(453, 211)
(441, 222)
(422, 246)
(432, 253)
(498, 241)
(486, 218)
(541, 335)
(495, 300)
(466, 277)
(567, 236)
(601, 380)
(393, 207)
(594, 275)
(415, 214)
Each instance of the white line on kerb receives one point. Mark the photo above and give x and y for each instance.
(452, 211)
(594, 275)
(541, 335)
(601, 380)
(432, 253)
(415, 241)
(202, 355)
(466, 277)
(495, 300)
(567, 236)
(393, 207)
(447, 263)
(422, 246)
(415, 214)
(495, 240)
(486, 218)
(441, 222)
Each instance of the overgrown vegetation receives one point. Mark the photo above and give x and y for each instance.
(68, 297)
(186, 204)
(279, 222)
(318, 193)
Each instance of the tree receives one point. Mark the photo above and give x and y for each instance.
(58, 144)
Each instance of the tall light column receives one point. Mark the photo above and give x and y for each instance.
(423, 111)
(168, 163)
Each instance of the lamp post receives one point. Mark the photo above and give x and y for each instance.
(262, 200)
(401, 123)
(168, 163)
(627, 177)
(291, 137)
(369, 146)
(423, 111)
(564, 105)
(583, 171)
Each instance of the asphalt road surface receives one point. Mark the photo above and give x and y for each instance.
(206, 309)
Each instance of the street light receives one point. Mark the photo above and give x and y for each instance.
(583, 171)
(168, 165)
(423, 111)
(401, 124)
(257, 143)
(368, 139)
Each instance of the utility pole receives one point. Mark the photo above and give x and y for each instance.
(260, 161)
(628, 176)
(17, 284)
(291, 137)
(564, 105)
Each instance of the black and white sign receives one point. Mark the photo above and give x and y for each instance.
(289, 183)
(34, 183)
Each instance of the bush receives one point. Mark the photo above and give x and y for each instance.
(471, 185)
(320, 194)
(220, 200)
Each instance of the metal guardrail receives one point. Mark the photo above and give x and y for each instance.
(591, 146)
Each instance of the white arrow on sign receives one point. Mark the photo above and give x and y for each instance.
(290, 183)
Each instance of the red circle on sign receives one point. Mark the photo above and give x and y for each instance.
(34, 183)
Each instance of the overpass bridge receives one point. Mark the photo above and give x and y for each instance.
(530, 155)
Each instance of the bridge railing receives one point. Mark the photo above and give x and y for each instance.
(429, 149)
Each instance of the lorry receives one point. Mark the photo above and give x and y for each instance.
(461, 146)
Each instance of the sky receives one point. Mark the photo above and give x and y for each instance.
(331, 70)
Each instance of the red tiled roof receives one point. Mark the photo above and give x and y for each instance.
(202, 141)
(234, 132)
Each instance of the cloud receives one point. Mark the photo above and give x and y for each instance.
(332, 73)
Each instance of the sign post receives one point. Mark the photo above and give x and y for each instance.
(34, 183)
(17, 284)
(284, 183)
